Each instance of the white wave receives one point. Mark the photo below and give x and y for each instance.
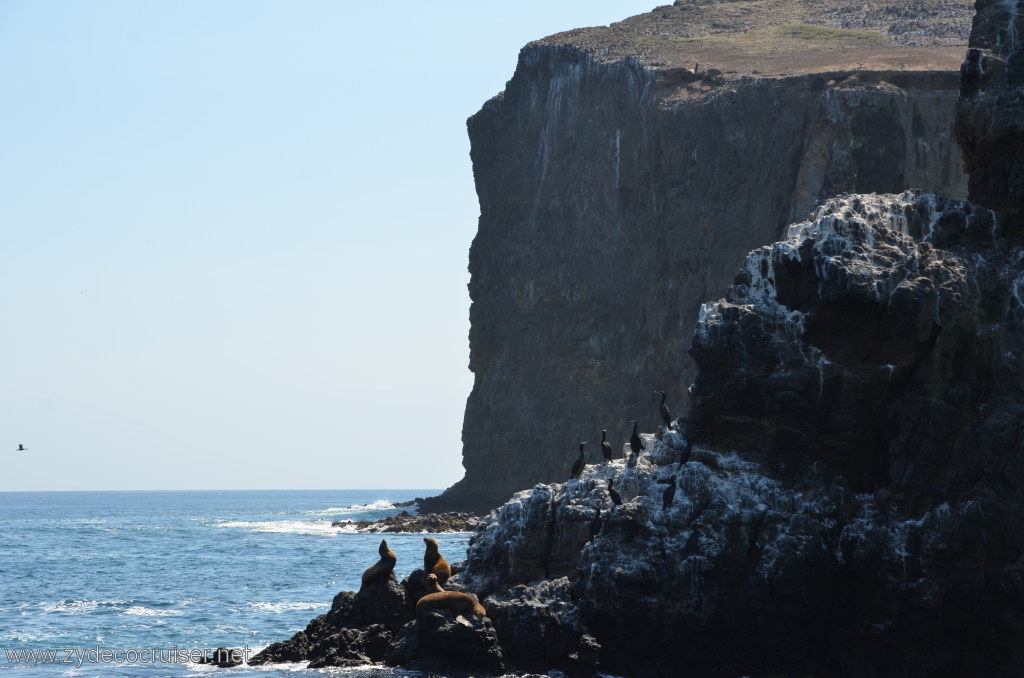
(150, 612)
(320, 527)
(285, 607)
(379, 505)
(80, 606)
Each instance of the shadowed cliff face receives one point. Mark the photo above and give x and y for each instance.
(616, 196)
(991, 113)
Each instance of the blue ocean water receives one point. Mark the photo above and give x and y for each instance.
(86, 578)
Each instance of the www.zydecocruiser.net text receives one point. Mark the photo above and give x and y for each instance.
(80, 656)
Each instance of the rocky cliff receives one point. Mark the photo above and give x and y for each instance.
(844, 497)
(624, 171)
(991, 113)
(847, 486)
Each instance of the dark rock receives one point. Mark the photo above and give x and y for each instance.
(584, 662)
(404, 522)
(852, 320)
(383, 603)
(440, 641)
(539, 626)
(352, 647)
(617, 194)
(357, 630)
(990, 116)
(223, 657)
(299, 647)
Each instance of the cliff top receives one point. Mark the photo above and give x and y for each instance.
(785, 37)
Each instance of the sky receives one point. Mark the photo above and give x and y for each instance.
(234, 237)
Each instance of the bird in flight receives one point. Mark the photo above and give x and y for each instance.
(21, 448)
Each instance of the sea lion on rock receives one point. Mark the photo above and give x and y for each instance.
(462, 604)
(434, 563)
(430, 584)
(382, 569)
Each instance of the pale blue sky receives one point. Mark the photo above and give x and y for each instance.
(234, 236)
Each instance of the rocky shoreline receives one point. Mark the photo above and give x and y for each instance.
(406, 522)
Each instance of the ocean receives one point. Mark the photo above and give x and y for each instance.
(135, 583)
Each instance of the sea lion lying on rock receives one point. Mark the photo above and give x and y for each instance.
(382, 569)
(462, 604)
(434, 563)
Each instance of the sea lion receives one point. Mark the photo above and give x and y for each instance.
(431, 585)
(434, 563)
(459, 603)
(381, 570)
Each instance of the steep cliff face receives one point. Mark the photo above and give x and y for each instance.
(618, 187)
(991, 114)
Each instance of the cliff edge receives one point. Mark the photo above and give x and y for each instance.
(623, 172)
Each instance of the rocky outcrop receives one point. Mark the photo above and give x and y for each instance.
(379, 624)
(848, 481)
(619, 182)
(990, 123)
(406, 522)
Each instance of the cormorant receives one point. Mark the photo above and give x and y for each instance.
(613, 493)
(606, 447)
(21, 448)
(595, 524)
(666, 416)
(635, 443)
(693, 541)
(684, 456)
(577, 466)
(669, 494)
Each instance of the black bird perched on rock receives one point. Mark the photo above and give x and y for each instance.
(669, 494)
(613, 493)
(635, 443)
(693, 541)
(606, 447)
(595, 524)
(684, 456)
(666, 416)
(577, 466)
